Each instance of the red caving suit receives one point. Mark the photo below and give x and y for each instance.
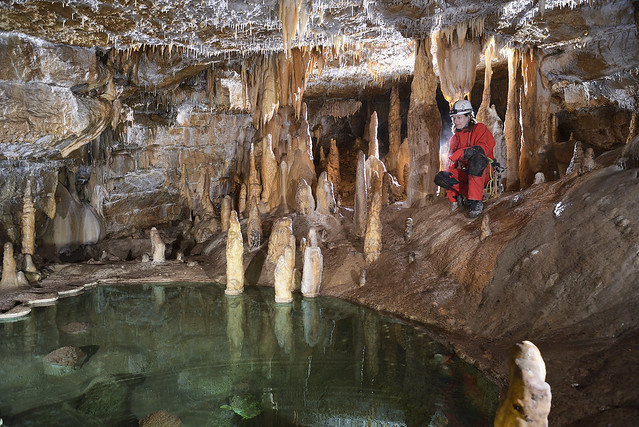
(471, 187)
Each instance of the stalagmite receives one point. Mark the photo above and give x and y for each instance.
(234, 257)
(279, 238)
(158, 247)
(311, 237)
(332, 170)
(283, 186)
(373, 143)
(633, 128)
(9, 280)
(536, 136)
(241, 206)
(284, 276)
(207, 205)
(373, 239)
(325, 199)
(512, 127)
(408, 229)
(254, 226)
(373, 163)
(225, 213)
(360, 208)
(305, 204)
(424, 128)
(322, 159)
(403, 160)
(28, 230)
(528, 399)
(269, 174)
(254, 188)
(313, 268)
(394, 131)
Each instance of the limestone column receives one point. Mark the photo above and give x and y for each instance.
(158, 247)
(373, 239)
(528, 399)
(332, 170)
(360, 208)
(394, 130)
(254, 226)
(9, 281)
(424, 128)
(284, 276)
(269, 174)
(28, 229)
(225, 213)
(512, 127)
(234, 257)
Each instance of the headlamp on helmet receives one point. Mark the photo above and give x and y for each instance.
(461, 107)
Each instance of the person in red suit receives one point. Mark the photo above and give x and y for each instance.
(470, 151)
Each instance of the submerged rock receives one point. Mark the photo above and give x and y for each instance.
(64, 360)
(245, 406)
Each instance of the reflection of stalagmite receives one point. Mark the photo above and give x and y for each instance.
(373, 239)
(279, 239)
(254, 226)
(9, 280)
(325, 199)
(512, 128)
(424, 128)
(313, 268)
(283, 326)
(159, 297)
(284, 276)
(269, 174)
(360, 208)
(332, 170)
(305, 204)
(371, 343)
(234, 257)
(225, 212)
(394, 130)
(312, 321)
(527, 401)
(158, 247)
(235, 325)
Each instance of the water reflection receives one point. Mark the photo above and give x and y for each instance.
(214, 359)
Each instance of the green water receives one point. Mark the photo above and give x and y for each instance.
(217, 360)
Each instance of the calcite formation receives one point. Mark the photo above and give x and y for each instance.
(527, 401)
(373, 238)
(28, 221)
(234, 257)
(225, 213)
(270, 169)
(254, 226)
(325, 199)
(332, 169)
(312, 274)
(158, 247)
(9, 281)
(279, 239)
(360, 210)
(304, 201)
(512, 126)
(394, 130)
(284, 276)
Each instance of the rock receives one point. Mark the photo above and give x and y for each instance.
(63, 360)
(160, 419)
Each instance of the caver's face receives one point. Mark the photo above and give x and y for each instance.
(460, 121)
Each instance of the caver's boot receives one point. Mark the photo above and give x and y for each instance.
(475, 208)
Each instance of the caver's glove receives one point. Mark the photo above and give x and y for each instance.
(445, 180)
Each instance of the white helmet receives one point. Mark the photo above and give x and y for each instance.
(461, 107)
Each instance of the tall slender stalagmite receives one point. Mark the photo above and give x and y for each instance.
(512, 127)
(207, 205)
(394, 131)
(536, 139)
(360, 208)
(373, 239)
(269, 174)
(28, 229)
(9, 281)
(284, 276)
(234, 257)
(373, 143)
(424, 128)
(373, 163)
(332, 170)
(225, 212)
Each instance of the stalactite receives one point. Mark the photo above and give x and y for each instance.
(394, 130)
(424, 128)
(340, 108)
(512, 127)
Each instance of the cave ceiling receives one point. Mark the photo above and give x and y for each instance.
(375, 36)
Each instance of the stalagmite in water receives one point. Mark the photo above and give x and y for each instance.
(325, 199)
(235, 319)
(284, 276)
(373, 239)
(305, 204)
(313, 268)
(234, 257)
(269, 174)
(512, 128)
(424, 128)
(332, 170)
(254, 226)
(279, 239)
(9, 280)
(528, 399)
(225, 213)
(394, 130)
(360, 208)
(158, 247)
